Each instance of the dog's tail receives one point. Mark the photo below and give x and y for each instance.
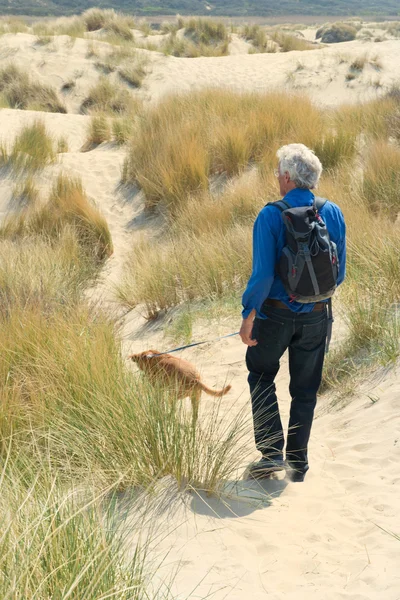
(215, 393)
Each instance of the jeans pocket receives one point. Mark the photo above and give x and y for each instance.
(267, 330)
(314, 334)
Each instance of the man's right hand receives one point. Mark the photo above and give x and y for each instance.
(247, 328)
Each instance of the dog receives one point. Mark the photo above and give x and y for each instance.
(178, 372)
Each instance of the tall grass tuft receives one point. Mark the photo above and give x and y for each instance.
(188, 267)
(25, 193)
(288, 43)
(19, 91)
(381, 181)
(122, 130)
(184, 140)
(40, 273)
(109, 20)
(33, 148)
(67, 205)
(59, 543)
(107, 97)
(98, 130)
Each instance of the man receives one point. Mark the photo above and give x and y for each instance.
(272, 322)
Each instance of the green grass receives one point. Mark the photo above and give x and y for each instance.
(33, 148)
(122, 130)
(99, 130)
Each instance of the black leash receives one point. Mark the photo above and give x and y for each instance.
(197, 344)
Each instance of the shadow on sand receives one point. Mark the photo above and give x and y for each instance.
(238, 498)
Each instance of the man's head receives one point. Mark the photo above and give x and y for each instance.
(298, 168)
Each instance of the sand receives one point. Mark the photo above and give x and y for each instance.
(324, 539)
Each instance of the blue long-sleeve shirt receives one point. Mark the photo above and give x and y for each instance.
(268, 241)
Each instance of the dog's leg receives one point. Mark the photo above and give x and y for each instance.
(195, 398)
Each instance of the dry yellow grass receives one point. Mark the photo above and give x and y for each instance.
(184, 140)
(19, 91)
(67, 205)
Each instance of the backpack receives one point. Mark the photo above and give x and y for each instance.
(308, 266)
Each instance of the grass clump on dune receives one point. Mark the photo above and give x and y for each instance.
(33, 148)
(99, 130)
(67, 205)
(109, 20)
(259, 39)
(381, 181)
(12, 25)
(164, 275)
(337, 32)
(122, 130)
(184, 140)
(26, 192)
(19, 91)
(55, 542)
(201, 37)
(287, 42)
(107, 97)
(42, 273)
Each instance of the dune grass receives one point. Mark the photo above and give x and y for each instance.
(107, 97)
(183, 141)
(134, 72)
(201, 37)
(25, 192)
(216, 266)
(259, 39)
(12, 25)
(33, 148)
(19, 91)
(112, 22)
(99, 130)
(122, 130)
(288, 42)
(55, 542)
(67, 205)
(381, 182)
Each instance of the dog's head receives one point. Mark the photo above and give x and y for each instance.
(143, 358)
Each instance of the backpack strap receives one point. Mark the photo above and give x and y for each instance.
(330, 324)
(280, 204)
(319, 203)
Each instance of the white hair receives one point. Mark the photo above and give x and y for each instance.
(303, 166)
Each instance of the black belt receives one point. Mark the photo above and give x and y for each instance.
(279, 304)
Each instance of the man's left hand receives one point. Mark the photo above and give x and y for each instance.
(247, 329)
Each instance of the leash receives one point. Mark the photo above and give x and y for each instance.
(197, 344)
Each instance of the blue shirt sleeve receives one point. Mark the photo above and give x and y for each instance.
(264, 258)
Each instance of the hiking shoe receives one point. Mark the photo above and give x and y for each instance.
(293, 474)
(266, 466)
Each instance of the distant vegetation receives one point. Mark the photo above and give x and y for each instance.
(193, 7)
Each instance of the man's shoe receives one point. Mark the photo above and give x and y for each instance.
(265, 467)
(293, 474)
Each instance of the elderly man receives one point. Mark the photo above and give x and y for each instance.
(273, 322)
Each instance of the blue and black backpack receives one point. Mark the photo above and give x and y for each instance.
(309, 265)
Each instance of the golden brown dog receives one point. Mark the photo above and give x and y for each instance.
(178, 372)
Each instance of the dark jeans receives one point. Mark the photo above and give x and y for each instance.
(305, 336)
